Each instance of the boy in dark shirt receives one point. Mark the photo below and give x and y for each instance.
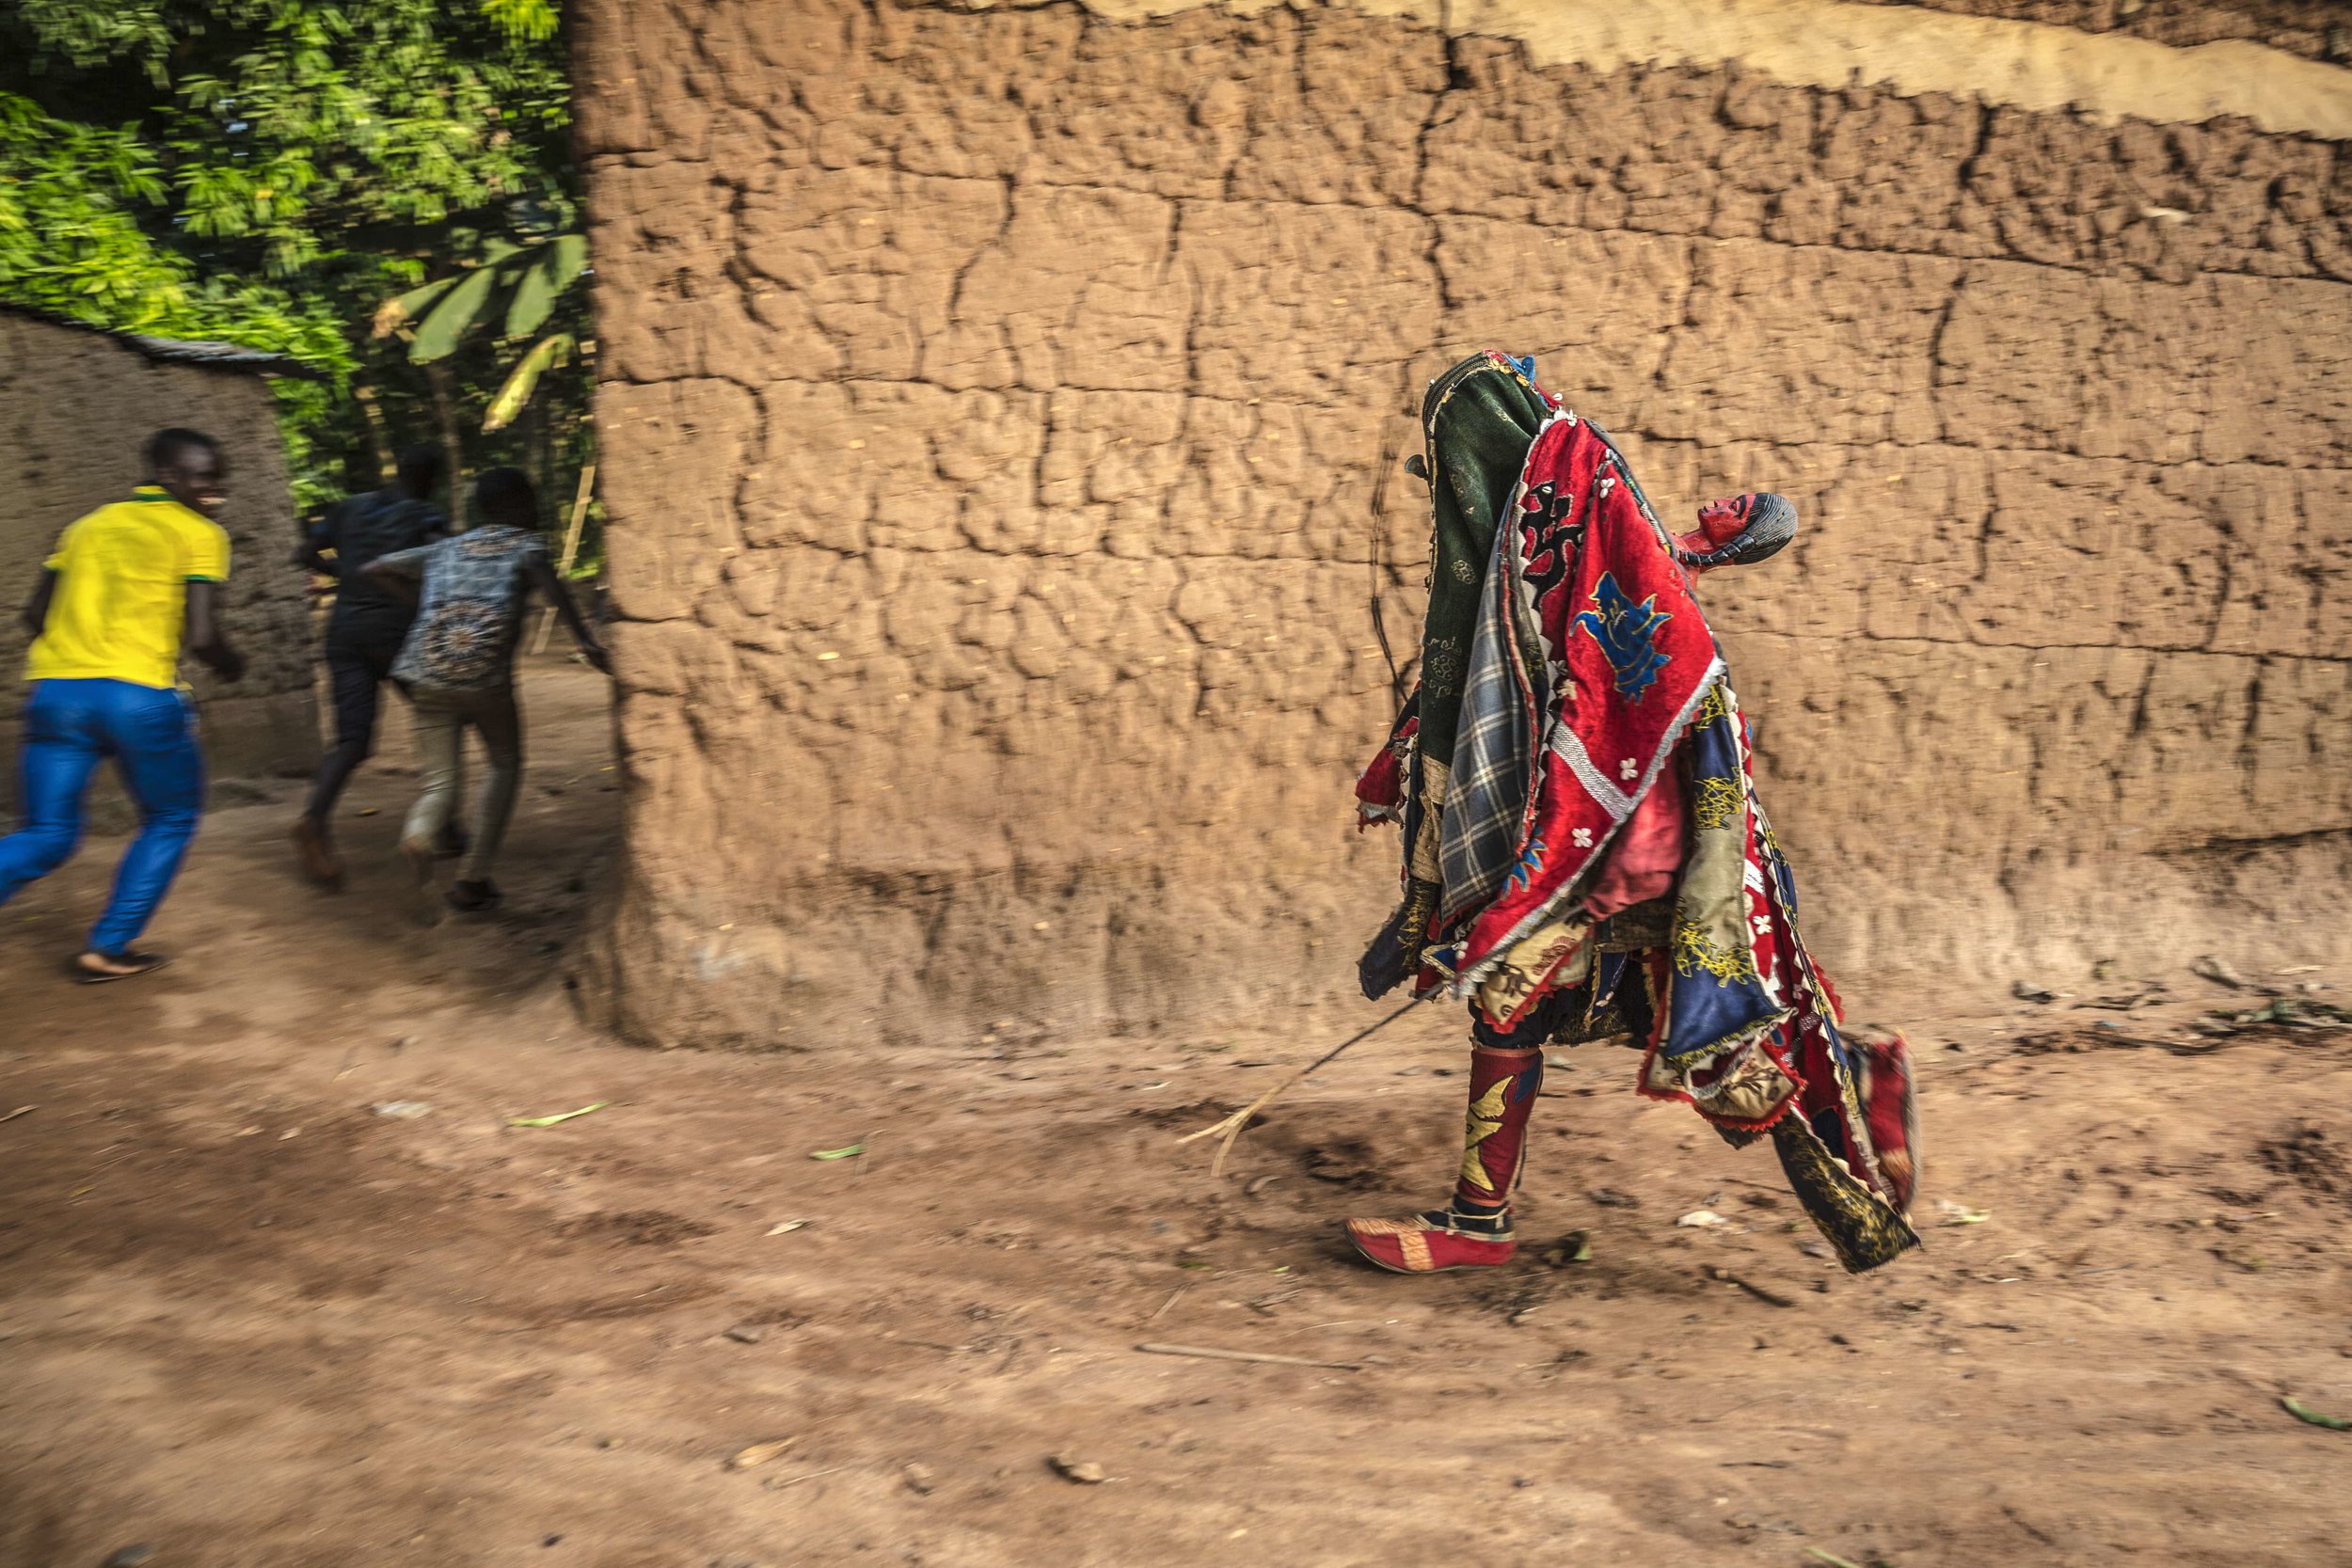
(363, 632)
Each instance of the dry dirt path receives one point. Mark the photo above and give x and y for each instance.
(246, 1320)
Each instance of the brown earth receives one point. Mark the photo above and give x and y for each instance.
(247, 1319)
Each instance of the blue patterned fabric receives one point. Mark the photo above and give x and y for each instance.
(1704, 1009)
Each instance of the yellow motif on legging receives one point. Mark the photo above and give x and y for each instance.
(1718, 803)
(1694, 954)
(1486, 1120)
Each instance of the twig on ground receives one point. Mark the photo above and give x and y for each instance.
(1207, 1352)
(1232, 1125)
(780, 1486)
(1168, 1303)
(1769, 1298)
(19, 1111)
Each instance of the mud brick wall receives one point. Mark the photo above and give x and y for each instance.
(75, 410)
(995, 402)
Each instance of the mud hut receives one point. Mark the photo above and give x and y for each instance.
(75, 405)
(996, 401)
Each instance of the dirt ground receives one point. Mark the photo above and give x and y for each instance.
(247, 1318)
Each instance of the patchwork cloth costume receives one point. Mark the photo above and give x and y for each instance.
(1584, 853)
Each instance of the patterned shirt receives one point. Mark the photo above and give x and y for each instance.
(471, 608)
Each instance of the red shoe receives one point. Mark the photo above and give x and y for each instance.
(1437, 1241)
(1890, 1105)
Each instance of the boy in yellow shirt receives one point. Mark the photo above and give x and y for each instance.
(126, 586)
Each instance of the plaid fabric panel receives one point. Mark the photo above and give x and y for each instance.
(1492, 757)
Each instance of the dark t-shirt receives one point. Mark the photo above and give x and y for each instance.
(364, 529)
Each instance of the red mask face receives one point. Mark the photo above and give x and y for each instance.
(1720, 522)
(1756, 525)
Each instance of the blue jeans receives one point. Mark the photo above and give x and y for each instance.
(70, 728)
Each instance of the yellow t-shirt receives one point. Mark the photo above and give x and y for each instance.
(121, 599)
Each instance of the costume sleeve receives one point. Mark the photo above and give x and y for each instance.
(1645, 858)
(1380, 789)
(208, 553)
(403, 563)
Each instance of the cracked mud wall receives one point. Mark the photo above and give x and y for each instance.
(75, 408)
(994, 403)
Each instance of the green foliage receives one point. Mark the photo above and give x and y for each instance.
(532, 282)
(549, 273)
(523, 19)
(438, 336)
(547, 352)
(268, 171)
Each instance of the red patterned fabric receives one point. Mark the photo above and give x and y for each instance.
(1502, 1089)
(1888, 1105)
(1616, 617)
(1380, 789)
(1647, 854)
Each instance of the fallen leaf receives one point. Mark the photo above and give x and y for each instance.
(19, 1111)
(402, 1110)
(1700, 1217)
(784, 1227)
(849, 1152)
(2302, 1412)
(2218, 970)
(1570, 1248)
(1084, 1471)
(562, 1116)
(759, 1453)
(2025, 990)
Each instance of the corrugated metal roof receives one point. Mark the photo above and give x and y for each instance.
(176, 351)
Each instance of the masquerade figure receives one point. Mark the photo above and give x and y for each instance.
(1584, 853)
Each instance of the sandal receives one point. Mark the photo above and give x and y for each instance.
(474, 897)
(317, 852)
(140, 963)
